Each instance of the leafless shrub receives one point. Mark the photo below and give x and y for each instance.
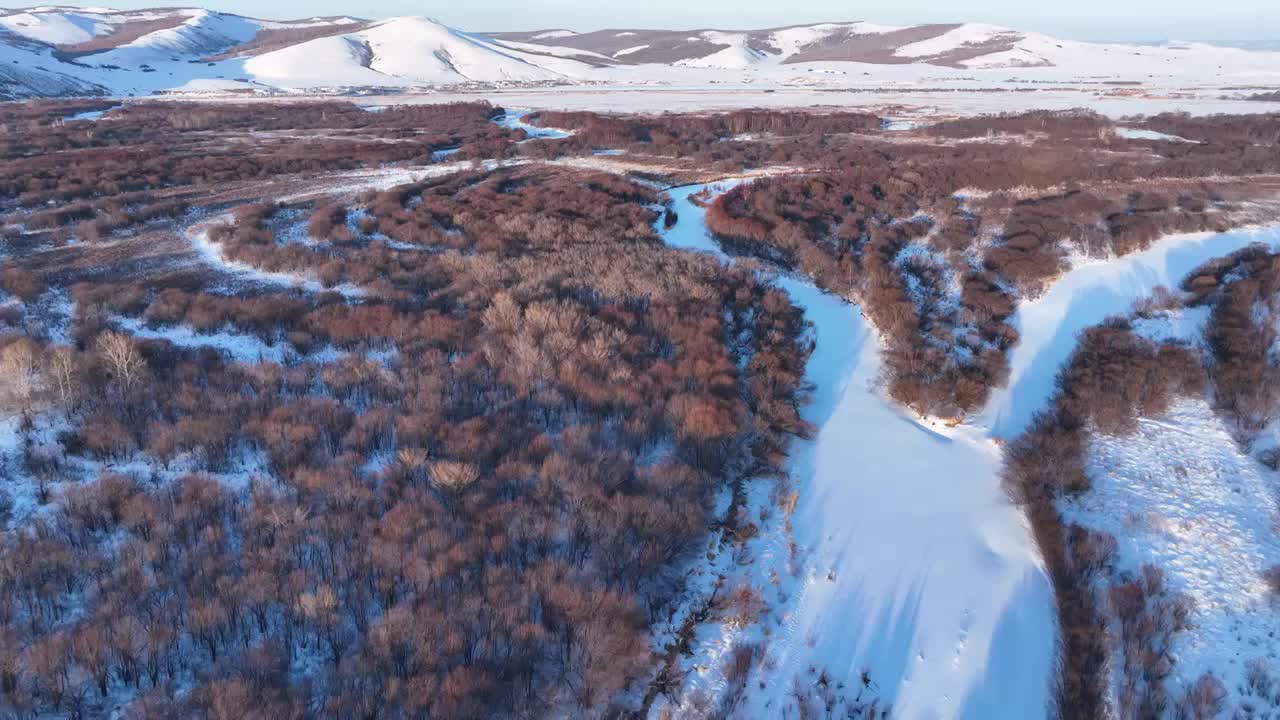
(1204, 700)
(23, 381)
(1272, 577)
(21, 284)
(453, 476)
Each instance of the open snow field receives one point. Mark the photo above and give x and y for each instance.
(906, 101)
(1179, 494)
(934, 69)
(909, 562)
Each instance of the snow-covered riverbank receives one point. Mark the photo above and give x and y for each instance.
(911, 563)
(1086, 296)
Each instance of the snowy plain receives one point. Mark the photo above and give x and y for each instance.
(418, 59)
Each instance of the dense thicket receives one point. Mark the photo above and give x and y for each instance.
(471, 508)
(1243, 290)
(1074, 124)
(144, 161)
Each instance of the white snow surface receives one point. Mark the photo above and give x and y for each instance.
(56, 28)
(630, 50)
(552, 34)
(966, 35)
(339, 61)
(1140, 134)
(792, 40)
(92, 115)
(239, 346)
(737, 56)
(912, 563)
(1185, 325)
(415, 54)
(1179, 494)
(1085, 297)
(406, 52)
(204, 33)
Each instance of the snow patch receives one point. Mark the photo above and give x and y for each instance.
(1129, 133)
(631, 50)
(240, 347)
(969, 34)
(213, 254)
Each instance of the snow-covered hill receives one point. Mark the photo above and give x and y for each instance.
(969, 45)
(202, 34)
(409, 51)
(58, 51)
(29, 69)
(66, 27)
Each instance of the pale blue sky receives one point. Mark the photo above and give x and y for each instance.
(1140, 20)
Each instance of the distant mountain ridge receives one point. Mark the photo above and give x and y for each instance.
(953, 44)
(52, 51)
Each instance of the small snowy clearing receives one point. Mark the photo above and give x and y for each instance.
(1180, 325)
(212, 253)
(240, 347)
(383, 178)
(1129, 133)
(1179, 494)
(93, 115)
(901, 125)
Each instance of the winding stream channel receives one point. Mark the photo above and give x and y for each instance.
(910, 563)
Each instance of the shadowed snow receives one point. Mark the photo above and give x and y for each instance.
(1085, 297)
(912, 563)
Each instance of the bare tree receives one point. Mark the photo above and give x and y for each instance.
(22, 380)
(65, 374)
(123, 360)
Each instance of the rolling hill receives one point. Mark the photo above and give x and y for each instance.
(61, 51)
